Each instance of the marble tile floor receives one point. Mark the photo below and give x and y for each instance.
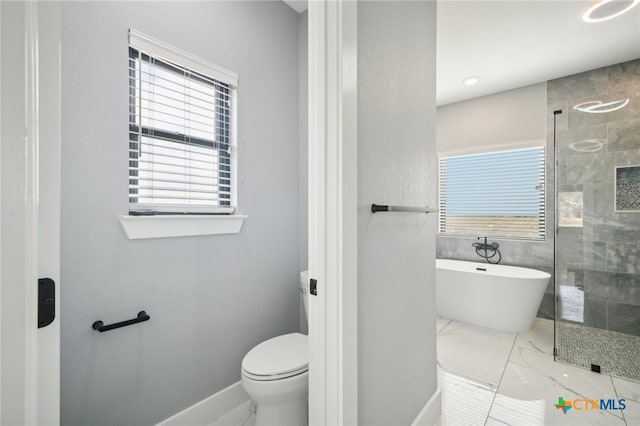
(495, 378)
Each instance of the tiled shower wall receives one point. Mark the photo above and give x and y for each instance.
(598, 262)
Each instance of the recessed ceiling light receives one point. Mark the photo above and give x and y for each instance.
(599, 107)
(603, 10)
(470, 81)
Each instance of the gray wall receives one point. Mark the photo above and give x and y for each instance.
(490, 122)
(499, 119)
(601, 257)
(211, 298)
(396, 165)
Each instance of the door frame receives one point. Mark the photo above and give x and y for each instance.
(31, 226)
(332, 160)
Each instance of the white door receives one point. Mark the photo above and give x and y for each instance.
(333, 380)
(30, 211)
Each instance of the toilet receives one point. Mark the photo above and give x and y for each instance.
(275, 373)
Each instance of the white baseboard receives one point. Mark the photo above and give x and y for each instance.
(430, 412)
(209, 409)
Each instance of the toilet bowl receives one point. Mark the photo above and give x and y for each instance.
(275, 373)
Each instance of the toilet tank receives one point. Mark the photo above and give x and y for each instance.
(304, 289)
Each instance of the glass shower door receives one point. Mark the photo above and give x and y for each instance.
(595, 127)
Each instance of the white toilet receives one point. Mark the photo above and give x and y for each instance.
(275, 374)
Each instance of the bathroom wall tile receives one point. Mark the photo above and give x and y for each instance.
(547, 307)
(623, 257)
(589, 83)
(624, 135)
(562, 172)
(571, 233)
(541, 257)
(586, 168)
(569, 254)
(538, 254)
(594, 255)
(612, 286)
(458, 248)
(624, 158)
(569, 188)
(611, 226)
(595, 313)
(624, 76)
(623, 318)
(580, 137)
(594, 199)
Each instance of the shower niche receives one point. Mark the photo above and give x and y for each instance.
(627, 189)
(594, 127)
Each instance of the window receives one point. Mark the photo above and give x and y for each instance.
(181, 135)
(499, 194)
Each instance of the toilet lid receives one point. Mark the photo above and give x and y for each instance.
(279, 356)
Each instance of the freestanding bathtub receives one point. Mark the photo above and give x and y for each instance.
(501, 297)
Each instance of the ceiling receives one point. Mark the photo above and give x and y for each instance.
(510, 44)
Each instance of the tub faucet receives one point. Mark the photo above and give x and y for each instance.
(487, 251)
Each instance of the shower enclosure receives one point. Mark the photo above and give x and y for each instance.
(594, 128)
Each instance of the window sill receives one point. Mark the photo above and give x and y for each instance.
(165, 226)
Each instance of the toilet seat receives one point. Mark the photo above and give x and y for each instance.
(278, 358)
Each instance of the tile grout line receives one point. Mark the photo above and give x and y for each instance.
(613, 385)
(513, 344)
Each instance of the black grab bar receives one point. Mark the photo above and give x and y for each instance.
(99, 325)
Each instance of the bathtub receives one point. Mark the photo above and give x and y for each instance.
(501, 297)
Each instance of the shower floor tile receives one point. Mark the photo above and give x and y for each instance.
(617, 354)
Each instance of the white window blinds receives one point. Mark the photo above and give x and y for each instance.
(498, 194)
(180, 138)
